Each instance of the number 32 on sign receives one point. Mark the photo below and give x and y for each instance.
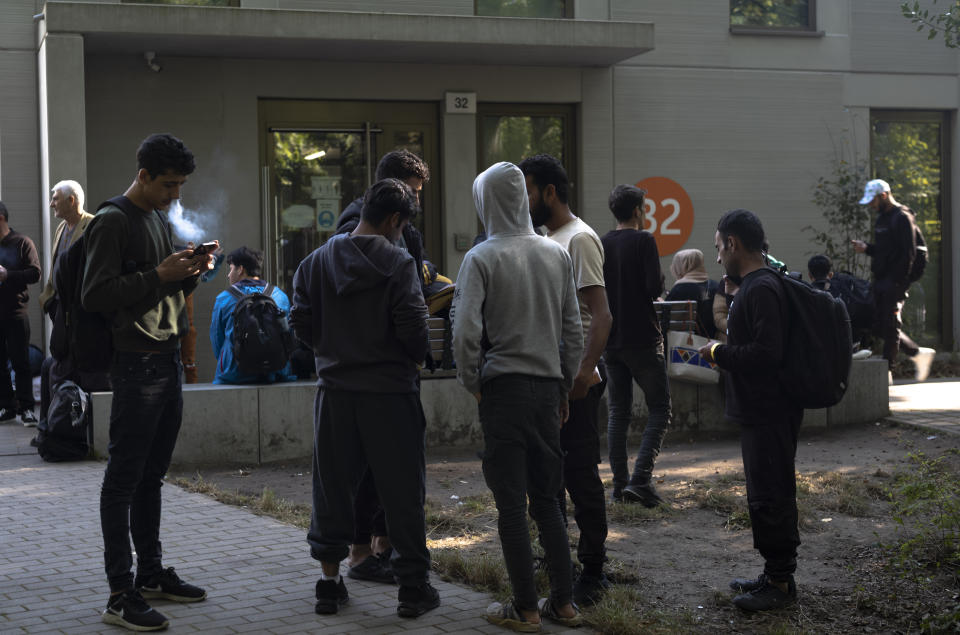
(667, 213)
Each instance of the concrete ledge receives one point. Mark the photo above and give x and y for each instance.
(264, 424)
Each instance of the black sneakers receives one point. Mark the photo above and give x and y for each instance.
(129, 610)
(646, 495)
(589, 589)
(331, 595)
(27, 418)
(414, 601)
(764, 595)
(168, 586)
(745, 585)
(374, 569)
(7, 414)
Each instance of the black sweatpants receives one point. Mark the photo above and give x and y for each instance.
(580, 441)
(769, 452)
(385, 431)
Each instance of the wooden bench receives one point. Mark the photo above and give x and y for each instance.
(441, 348)
(678, 315)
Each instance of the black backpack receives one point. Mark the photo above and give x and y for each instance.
(262, 341)
(857, 294)
(817, 356)
(920, 256)
(63, 434)
(82, 337)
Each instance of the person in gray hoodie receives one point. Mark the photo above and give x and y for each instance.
(357, 303)
(517, 342)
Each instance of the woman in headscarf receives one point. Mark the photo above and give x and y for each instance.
(693, 283)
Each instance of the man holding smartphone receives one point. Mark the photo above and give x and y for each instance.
(143, 293)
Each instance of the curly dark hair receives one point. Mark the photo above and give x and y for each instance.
(386, 197)
(160, 153)
(624, 199)
(402, 164)
(547, 170)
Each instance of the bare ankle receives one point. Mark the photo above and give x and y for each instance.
(532, 617)
(566, 610)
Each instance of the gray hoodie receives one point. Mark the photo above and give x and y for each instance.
(357, 303)
(515, 308)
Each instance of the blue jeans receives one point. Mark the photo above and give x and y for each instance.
(647, 367)
(145, 418)
(522, 459)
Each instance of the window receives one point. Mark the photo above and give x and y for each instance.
(525, 8)
(772, 15)
(511, 132)
(198, 3)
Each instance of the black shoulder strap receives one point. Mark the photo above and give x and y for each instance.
(238, 294)
(127, 207)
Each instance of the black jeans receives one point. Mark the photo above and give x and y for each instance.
(769, 452)
(15, 346)
(647, 367)
(580, 441)
(385, 431)
(888, 299)
(522, 458)
(145, 418)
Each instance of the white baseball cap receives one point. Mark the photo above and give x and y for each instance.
(873, 188)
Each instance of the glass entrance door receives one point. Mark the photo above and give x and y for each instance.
(909, 150)
(318, 157)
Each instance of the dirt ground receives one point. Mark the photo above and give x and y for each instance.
(682, 558)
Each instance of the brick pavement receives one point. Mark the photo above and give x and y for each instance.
(257, 571)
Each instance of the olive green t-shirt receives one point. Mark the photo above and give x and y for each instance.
(147, 314)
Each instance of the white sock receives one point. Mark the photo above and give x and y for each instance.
(335, 578)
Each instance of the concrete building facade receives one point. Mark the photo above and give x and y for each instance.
(733, 117)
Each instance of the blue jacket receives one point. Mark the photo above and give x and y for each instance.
(221, 336)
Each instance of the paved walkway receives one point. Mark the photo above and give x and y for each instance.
(257, 571)
(934, 404)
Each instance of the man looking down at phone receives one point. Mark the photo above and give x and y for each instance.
(769, 421)
(143, 294)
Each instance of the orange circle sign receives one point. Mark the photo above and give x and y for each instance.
(667, 213)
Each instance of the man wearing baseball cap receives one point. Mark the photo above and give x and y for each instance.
(892, 252)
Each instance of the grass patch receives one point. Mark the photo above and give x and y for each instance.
(624, 611)
(267, 504)
(635, 513)
(481, 571)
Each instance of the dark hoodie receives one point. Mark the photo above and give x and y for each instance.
(357, 303)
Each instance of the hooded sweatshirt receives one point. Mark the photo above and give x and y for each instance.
(357, 303)
(515, 309)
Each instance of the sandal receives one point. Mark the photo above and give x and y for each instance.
(548, 611)
(508, 616)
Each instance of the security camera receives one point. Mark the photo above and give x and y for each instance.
(152, 64)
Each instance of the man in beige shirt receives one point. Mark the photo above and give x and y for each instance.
(66, 201)
(547, 189)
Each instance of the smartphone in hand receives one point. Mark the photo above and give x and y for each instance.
(204, 248)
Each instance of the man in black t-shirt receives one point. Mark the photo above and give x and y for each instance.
(634, 350)
(769, 421)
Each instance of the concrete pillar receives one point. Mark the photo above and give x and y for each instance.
(459, 170)
(596, 177)
(952, 223)
(63, 125)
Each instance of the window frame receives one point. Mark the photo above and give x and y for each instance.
(809, 30)
(570, 115)
(567, 12)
